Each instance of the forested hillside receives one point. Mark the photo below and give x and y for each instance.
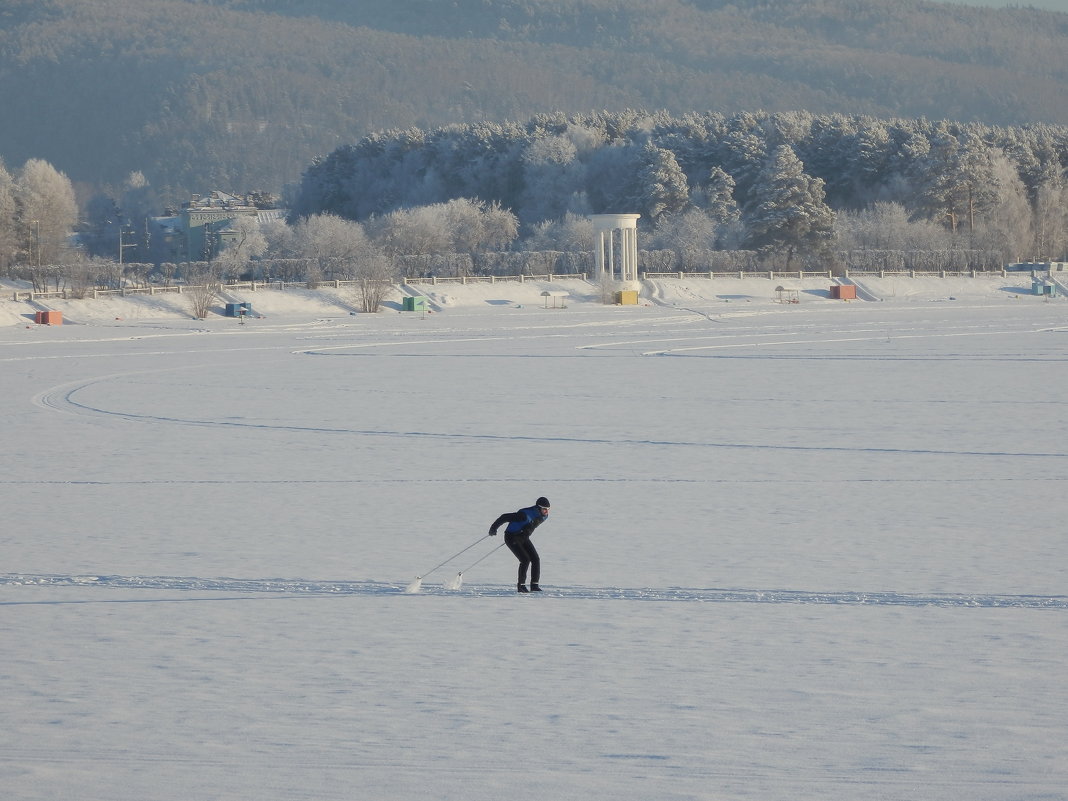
(769, 181)
(244, 94)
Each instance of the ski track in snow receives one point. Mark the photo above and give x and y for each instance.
(62, 399)
(238, 588)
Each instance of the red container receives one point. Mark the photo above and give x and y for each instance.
(48, 318)
(844, 292)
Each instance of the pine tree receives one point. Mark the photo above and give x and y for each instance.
(660, 186)
(787, 213)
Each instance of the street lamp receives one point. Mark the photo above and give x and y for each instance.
(37, 241)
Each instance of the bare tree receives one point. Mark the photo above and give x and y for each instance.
(375, 274)
(1050, 221)
(203, 292)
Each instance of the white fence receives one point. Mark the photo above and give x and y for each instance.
(829, 274)
(492, 279)
(254, 286)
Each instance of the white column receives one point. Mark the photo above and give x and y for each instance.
(612, 254)
(606, 225)
(633, 253)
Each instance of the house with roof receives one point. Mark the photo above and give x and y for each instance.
(205, 225)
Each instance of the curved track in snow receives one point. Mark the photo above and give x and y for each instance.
(63, 399)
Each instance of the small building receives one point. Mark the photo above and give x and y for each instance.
(627, 297)
(415, 303)
(238, 309)
(843, 292)
(1041, 287)
(48, 318)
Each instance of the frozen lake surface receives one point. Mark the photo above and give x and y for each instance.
(807, 551)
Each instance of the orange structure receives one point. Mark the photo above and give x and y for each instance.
(48, 318)
(844, 292)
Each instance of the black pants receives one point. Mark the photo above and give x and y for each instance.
(527, 555)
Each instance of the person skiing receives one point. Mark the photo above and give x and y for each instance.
(521, 525)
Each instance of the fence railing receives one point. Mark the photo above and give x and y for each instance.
(830, 274)
(254, 286)
(492, 279)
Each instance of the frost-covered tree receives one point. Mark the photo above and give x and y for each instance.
(8, 227)
(743, 152)
(961, 182)
(281, 240)
(552, 175)
(787, 213)
(1050, 221)
(660, 184)
(691, 234)
(248, 243)
(474, 225)
(573, 233)
(886, 226)
(719, 204)
(419, 232)
(333, 245)
(1005, 223)
(46, 212)
(459, 226)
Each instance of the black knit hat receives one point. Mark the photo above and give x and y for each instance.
(542, 501)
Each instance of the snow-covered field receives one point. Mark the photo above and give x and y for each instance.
(802, 551)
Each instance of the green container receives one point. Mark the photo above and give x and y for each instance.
(413, 304)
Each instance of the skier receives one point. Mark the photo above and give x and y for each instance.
(521, 525)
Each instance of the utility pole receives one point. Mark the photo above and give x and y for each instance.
(122, 246)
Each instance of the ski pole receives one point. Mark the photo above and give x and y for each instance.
(415, 585)
(454, 583)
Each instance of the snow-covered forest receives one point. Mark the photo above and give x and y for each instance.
(750, 191)
(767, 182)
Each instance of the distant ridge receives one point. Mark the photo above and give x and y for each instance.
(244, 94)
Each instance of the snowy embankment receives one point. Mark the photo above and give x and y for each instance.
(722, 295)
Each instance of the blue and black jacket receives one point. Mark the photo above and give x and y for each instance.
(521, 523)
